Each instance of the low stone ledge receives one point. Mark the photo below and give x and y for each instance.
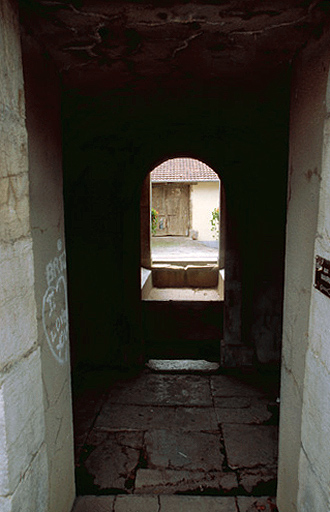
(190, 276)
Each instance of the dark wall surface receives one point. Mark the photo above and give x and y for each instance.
(110, 144)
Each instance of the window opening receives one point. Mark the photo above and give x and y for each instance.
(185, 207)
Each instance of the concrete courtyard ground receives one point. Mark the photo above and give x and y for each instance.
(177, 442)
(180, 248)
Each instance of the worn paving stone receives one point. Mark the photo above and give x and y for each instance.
(123, 432)
(192, 418)
(112, 463)
(132, 439)
(256, 504)
(248, 446)
(256, 413)
(227, 386)
(232, 402)
(133, 417)
(158, 389)
(169, 481)
(94, 504)
(252, 479)
(133, 503)
(184, 450)
(197, 504)
(84, 414)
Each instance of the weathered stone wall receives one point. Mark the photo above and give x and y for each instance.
(43, 122)
(23, 468)
(305, 367)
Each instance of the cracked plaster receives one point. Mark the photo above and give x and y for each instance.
(139, 42)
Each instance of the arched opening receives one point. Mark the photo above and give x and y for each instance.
(185, 200)
(187, 207)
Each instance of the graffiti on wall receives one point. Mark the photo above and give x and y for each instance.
(55, 307)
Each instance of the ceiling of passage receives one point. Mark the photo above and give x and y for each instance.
(139, 45)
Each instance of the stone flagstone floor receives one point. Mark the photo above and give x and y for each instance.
(210, 440)
(170, 503)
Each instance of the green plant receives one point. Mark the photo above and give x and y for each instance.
(215, 222)
(154, 220)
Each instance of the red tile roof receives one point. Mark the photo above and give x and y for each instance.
(183, 169)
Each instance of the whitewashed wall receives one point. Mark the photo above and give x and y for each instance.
(204, 197)
(314, 468)
(304, 454)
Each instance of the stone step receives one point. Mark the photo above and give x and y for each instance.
(182, 366)
(173, 503)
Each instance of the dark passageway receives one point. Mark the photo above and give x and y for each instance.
(106, 158)
(139, 83)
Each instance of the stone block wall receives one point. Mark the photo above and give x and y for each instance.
(36, 449)
(24, 468)
(43, 121)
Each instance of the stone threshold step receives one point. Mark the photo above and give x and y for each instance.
(181, 262)
(182, 365)
(185, 294)
(173, 503)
